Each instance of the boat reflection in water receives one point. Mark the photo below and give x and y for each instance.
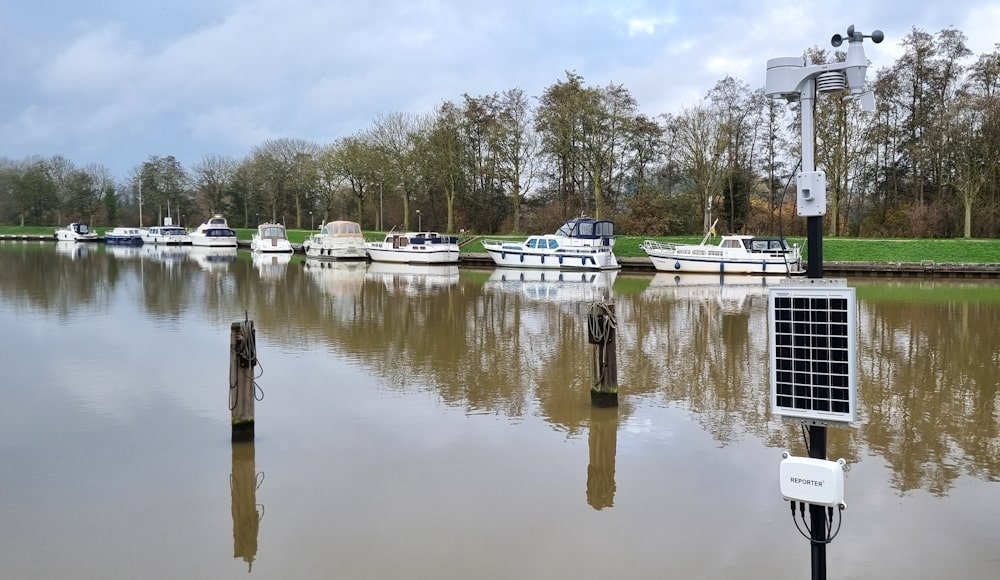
(168, 254)
(336, 278)
(71, 249)
(213, 258)
(271, 265)
(732, 293)
(413, 278)
(123, 251)
(554, 285)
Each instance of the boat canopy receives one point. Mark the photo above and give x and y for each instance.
(587, 228)
(272, 231)
(341, 228)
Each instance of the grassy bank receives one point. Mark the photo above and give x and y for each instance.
(948, 251)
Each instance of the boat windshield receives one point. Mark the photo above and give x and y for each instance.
(220, 233)
(273, 232)
(767, 244)
(81, 228)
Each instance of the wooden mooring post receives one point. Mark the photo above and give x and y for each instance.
(242, 362)
(601, 326)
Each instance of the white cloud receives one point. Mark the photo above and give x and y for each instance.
(192, 80)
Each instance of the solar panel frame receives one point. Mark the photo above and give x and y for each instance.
(812, 330)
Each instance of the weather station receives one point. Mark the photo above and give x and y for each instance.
(812, 323)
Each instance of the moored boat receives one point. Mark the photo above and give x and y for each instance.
(214, 233)
(271, 238)
(337, 240)
(733, 254)
(170, 235)
(415, 247)
(75, 232)
(580, 244)
(123, 236)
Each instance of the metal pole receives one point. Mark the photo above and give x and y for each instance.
(381, 221)
(814, 233)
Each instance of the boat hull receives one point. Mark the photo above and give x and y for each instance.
(337, 251)
(428, 254)
(213, 241)
(584, 258)
(667, 262)
(123, 240)
(271, 246)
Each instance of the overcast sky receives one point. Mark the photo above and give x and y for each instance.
(116, 81)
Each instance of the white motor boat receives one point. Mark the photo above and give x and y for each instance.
(76, 232)
(733, 254)
(580, 244)
(271, 238)
(337, 240)
(170, 235)
(215, 233)
(415, 248)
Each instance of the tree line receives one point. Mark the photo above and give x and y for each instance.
(924, 164)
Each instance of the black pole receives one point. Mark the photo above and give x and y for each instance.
(814, 239)
(817, 433)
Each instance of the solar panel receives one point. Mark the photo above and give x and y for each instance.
(813, 350)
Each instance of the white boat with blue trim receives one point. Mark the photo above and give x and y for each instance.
(415, 248)
(580, 244)
(734, 254)
(215, 233)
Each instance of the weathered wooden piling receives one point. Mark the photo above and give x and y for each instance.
(601, 326)
(242, 361)
(243, 484)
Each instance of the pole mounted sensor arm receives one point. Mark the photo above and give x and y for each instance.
(787, 76)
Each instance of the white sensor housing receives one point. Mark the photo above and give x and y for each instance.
(811, 200)
(815, 481)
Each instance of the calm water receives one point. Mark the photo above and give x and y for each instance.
(435, 423)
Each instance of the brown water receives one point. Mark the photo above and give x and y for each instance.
(436, 423)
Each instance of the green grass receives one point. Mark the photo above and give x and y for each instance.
(947, 251)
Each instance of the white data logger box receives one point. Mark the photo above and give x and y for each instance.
(815, 481)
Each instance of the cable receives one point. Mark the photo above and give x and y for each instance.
(807, 533)
(781, 215)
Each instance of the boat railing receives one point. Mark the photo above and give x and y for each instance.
(658, 246)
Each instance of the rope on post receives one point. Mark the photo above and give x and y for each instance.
(601, 324)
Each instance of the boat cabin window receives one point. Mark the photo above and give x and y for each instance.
(764, 245)
(220, 233)
(731, 244)
(532, 243)
(274, 232)
(81, 228)
(553, 244)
